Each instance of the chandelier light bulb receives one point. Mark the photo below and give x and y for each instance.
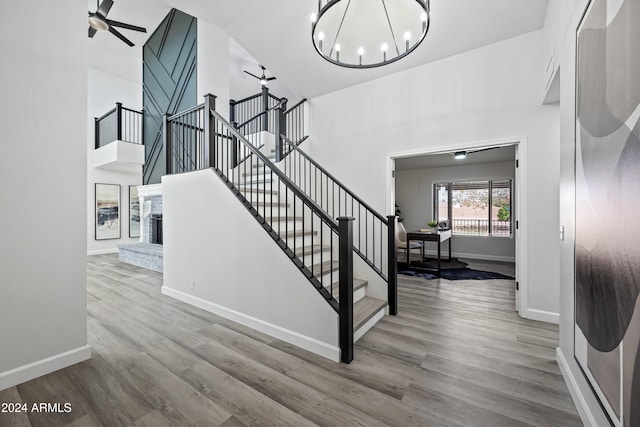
(407, 38)
(338, 20)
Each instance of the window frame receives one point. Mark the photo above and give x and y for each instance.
(490, 186)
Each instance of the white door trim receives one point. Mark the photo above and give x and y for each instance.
(520, 199)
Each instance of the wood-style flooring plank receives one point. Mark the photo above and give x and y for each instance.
(457, 355)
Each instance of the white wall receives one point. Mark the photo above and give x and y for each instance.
(43, 173)
(248, 280)
(213, 65)
(491, 93)
(414, 195)
(584, 398)
(104, 90)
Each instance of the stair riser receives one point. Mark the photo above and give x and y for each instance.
(273, 211)
(261, 196)
(326, 256)
(299, 241)
(358, 294)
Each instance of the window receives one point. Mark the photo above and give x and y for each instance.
(476, 208)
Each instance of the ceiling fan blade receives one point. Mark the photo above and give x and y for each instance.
(105, 7)
(126, 26)
(271, 78)
(120, 36)
(92, 32)
(253, 75)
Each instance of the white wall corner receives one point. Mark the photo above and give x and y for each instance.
(43, 367)
(574, 390)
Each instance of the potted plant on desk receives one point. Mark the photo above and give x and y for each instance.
(433, 225)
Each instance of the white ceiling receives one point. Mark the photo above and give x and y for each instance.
(277, 34)
(427, 161)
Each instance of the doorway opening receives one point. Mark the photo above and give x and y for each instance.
(475, 193)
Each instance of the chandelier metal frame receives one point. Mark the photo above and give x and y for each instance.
(318, 41)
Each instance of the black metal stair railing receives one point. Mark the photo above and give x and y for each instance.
(200, 138)
(374, 234)
(118, 124)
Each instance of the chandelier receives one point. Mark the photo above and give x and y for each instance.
(368, 33)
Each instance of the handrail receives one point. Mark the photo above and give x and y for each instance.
(248, 98)
(336, 180)
(108, 113)
(296, 106)
(280, 174)
(118, 124)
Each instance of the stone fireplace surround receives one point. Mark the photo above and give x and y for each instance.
(144, 253)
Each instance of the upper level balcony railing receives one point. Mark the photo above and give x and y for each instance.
(119, 124)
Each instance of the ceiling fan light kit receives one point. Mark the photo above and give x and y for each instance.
(98, 22)
(368, 33)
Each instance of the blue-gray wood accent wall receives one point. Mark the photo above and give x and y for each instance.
(168, 83)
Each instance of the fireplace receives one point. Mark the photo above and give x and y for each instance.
(156, 229)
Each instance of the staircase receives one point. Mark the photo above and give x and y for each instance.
(265, 195)
(313, 228)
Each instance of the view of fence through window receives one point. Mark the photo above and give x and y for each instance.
(478, 208)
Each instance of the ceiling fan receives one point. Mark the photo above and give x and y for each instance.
(263, 79)
(98, 22)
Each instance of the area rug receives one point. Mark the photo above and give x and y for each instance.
(432, 263)
(457, 274)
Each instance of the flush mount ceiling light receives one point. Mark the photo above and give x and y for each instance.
(368, 33)
(459, 155)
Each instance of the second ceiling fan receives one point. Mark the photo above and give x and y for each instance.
(263, 78)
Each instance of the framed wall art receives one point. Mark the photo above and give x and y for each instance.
(134, 212)
(607, 177)
(107, 198)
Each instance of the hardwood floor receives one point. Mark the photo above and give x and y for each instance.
(456, 355)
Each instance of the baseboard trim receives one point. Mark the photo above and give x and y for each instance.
(311, 344)
(43, 367)
(103, 251)
(578, 399)
(540, 315)
(480, 257)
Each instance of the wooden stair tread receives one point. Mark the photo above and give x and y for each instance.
(325, 268)
(311, 249)
(275, 204)
(365, 309)
(357, 284)
(283, 218)
(297, 233)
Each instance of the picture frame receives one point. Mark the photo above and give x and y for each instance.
(107, 211)
(134, 212)
(607, 172)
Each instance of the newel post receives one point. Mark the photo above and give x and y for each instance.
(168, 151)
(392, 266)
(209, 153)
(265, 108)
(281, 128)
(345, 286)
(119, 121)
(96, 132)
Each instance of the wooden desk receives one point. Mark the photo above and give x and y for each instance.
(422, 236)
